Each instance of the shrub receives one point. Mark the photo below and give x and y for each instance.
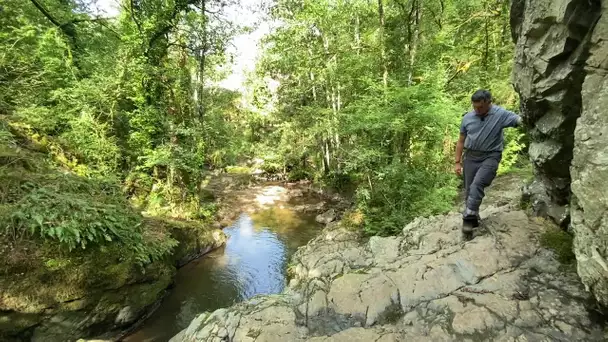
(514, 145)
(6, 138)
(400, 193)
(76, 212)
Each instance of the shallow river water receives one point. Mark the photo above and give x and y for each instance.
(253, 261)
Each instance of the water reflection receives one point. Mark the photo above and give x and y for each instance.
(252, 262)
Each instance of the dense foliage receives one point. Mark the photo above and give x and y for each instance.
(369, 99)
(126, 107)
(371, 94)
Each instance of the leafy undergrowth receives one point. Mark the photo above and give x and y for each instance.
(400, 195)
(75, 243)
(62, 234)
(74, 212)
(44, 202)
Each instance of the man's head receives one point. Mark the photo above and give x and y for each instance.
(482, 101)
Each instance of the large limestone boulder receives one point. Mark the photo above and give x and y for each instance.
(552, 40)
(424, 284)
(590, 168)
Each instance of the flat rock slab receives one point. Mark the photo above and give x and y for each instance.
(424, 285)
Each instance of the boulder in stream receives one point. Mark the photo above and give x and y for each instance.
(326, 217)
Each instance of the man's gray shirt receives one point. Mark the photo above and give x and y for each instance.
(485, 133)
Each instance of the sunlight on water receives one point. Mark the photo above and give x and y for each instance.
(253, 262)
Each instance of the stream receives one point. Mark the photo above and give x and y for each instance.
(253, 261)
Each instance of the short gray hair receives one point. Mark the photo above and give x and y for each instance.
(481, 95)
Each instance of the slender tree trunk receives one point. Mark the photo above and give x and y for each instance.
(327, 156)
(486, 51)
(200, 88)
(495, 49)
(504, 31)
(357, 34)
(383, 45)
(413, 45)
(330, 96)
(337, 137)
(314, 87)
(312, 76)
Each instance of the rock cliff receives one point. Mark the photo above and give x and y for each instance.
(425, 284)
(590, 167)
(560, 73)
(552, 43)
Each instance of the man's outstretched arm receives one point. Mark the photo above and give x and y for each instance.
(513, 120)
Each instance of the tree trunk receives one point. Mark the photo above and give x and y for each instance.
(336, 136)
(200, 76)
(383, 45)
(413, 44)
(357, 34)
(327, 157)
(312, 76)
(486, 51)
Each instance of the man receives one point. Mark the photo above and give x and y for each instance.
(481, 138)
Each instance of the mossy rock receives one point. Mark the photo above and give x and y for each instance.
(106, 311)
(55, 294)
(560, 242)
(82, 294)
(12, 323)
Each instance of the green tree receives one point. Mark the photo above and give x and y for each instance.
(371, 94)
(128, 100)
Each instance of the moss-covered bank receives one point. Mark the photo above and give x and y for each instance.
(52, 295)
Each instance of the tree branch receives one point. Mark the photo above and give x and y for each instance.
(100, 21)
(46, 13)
(93, 20)
(134, 19)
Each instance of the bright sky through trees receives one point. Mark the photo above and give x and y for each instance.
(244, 47)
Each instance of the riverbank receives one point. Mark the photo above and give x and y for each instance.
(52, 295)
(106, 290)
(76, 258)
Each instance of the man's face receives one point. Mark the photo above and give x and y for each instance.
(481, 107)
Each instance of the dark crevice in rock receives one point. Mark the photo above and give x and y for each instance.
(518, 7)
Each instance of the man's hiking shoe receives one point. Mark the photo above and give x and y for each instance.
(469, 222)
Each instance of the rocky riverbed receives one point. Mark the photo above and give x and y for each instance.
(424, 284)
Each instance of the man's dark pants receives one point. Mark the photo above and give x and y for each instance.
(479, 171)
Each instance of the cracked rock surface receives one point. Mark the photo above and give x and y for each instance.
(425, 284)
